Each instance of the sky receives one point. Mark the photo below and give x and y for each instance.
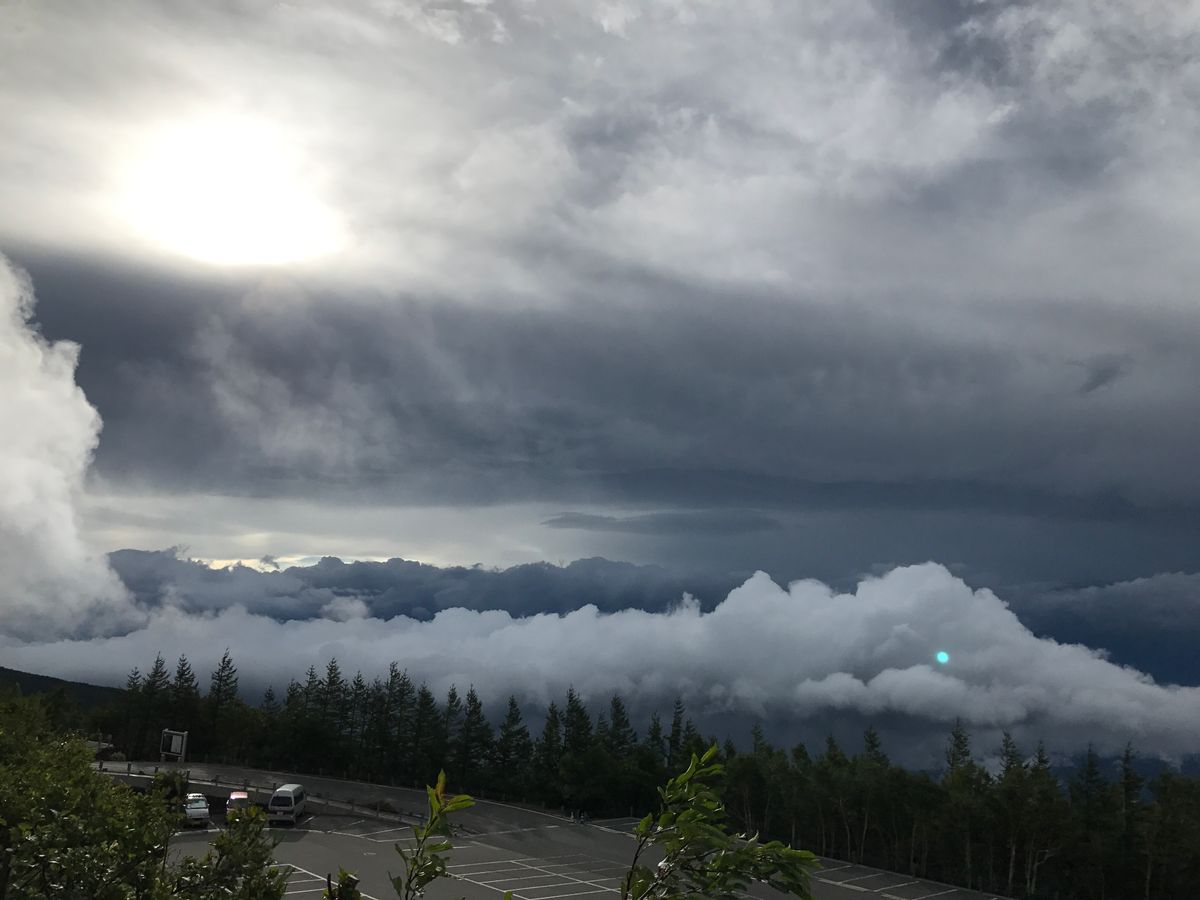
(891, 303)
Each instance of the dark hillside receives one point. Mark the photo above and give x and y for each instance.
(88, 696)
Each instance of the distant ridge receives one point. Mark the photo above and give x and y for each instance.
(88, 696)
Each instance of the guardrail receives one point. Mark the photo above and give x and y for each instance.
(379, 808)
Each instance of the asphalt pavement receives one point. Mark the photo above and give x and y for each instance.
(500, 847)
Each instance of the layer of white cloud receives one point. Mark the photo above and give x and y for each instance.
(49, 581)
(779, 654)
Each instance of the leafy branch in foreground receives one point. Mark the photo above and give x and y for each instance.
(426, 861)
(699, 857)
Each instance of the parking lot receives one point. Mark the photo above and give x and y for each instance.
(536, 854)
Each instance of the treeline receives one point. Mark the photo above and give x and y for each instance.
(1018, 831)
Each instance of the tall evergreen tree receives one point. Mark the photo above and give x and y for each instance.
(429, 743)
(185, 696)
(513, 758)
(655, 742)
(156, 705)
(400, 707)
(334, 709)
(451, 721)
(474, 745)
(269, 704)
(1096, 816)
(132, 713)
(1012, 800)
(548, 754)
(1047, 820)
(1134, 842)
(577, 726)
(222, 694)
(675, 737)
(621, 737)
(966, 785)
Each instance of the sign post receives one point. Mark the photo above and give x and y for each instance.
(174, 746)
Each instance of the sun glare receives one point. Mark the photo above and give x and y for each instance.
(227, 192)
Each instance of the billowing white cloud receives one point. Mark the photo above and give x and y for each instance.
(780, 654)
(50, 582)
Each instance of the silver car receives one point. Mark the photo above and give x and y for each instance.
(195, 811)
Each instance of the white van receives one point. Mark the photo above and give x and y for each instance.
(287, 804)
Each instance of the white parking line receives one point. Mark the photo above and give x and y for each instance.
(865, 877)
(296, 868)
(559, 896)
(508, 879)
(487, 871)
(603, 887)
(397, 828)
(889, 887)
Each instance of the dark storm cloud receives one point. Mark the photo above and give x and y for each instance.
(401, 587)
(713, 522)
(1151, 623)
(682, 400)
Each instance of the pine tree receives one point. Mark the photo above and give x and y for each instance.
(513, 757)
(958, 749)
(966, 787)
(655, 742)
(474, 745)
(333, 705)
(1046, 819)
(132, 714)
(1013, 802)
(621, 737)
(1094, 809)
(185, 696)
(871, 769)
(400, 708)
(548, 753)
(675, 737)
(223, 689)
(269, 705)
(577, 726)
(451, 722)
(835, 777)
(222, 694)
(356, 718)
(1134, 842)
(692, 743)
(429, 746)
(156, 703)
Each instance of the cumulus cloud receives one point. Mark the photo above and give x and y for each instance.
(51, 583)
(782, 654)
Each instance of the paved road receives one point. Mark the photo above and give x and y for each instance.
(535, 854)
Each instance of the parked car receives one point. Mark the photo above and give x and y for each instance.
(287, 804)
(237, 800)
(195, 811)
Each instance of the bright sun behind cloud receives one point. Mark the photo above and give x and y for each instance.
(229, 192)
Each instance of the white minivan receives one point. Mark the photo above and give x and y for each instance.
(287, 804)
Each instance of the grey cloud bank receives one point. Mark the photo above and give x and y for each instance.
(783, 655)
